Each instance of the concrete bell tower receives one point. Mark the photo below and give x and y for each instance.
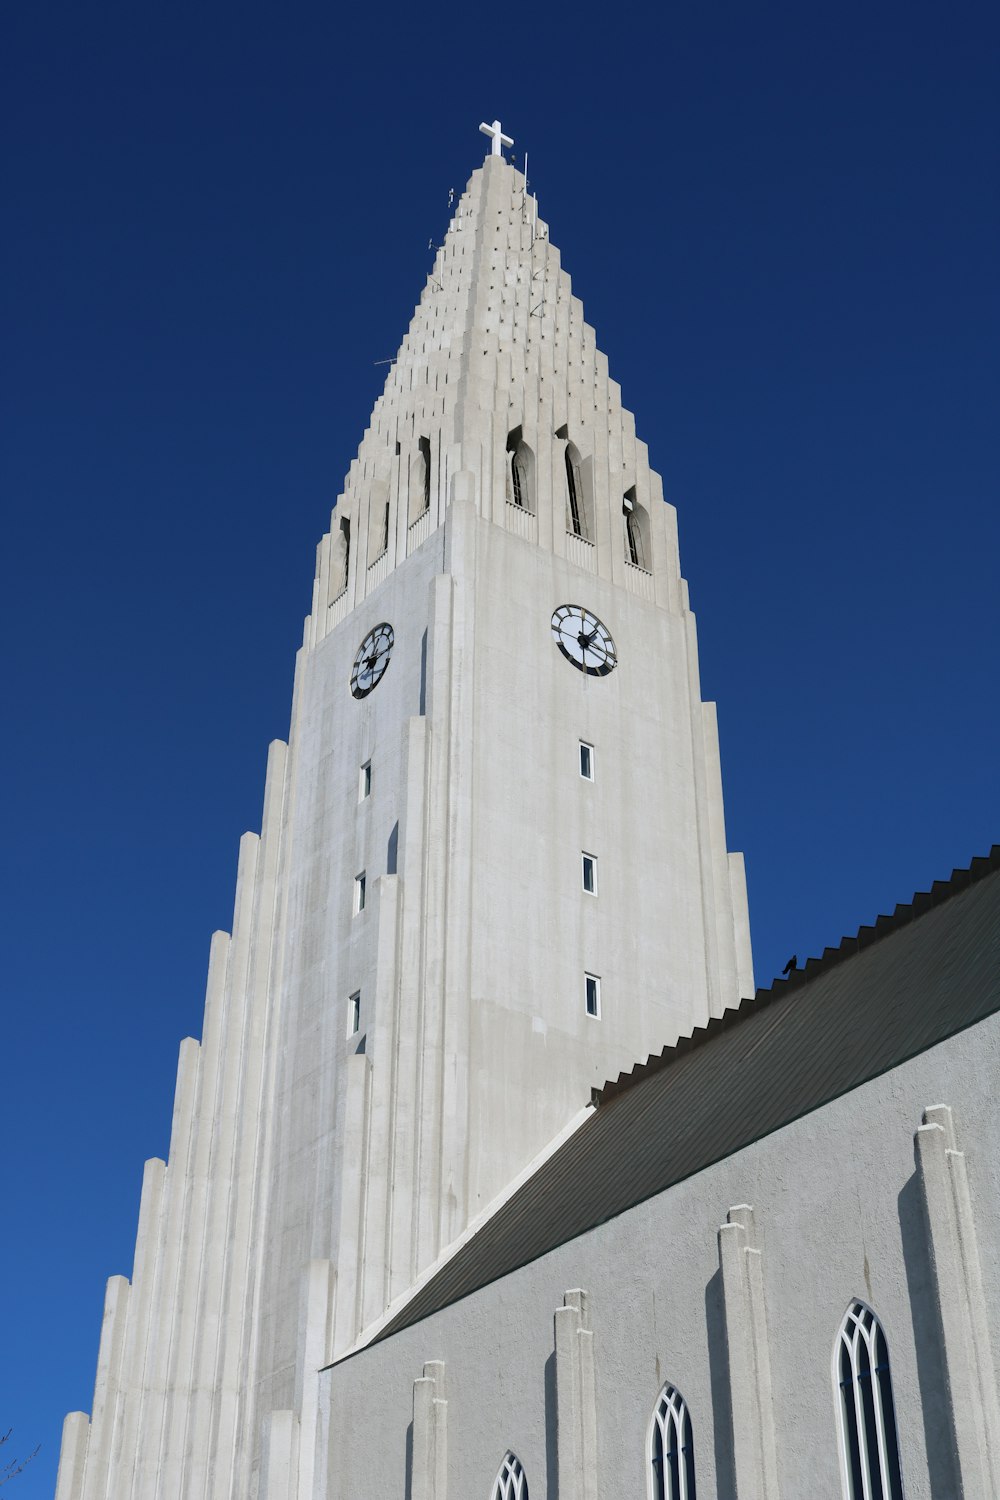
(492, 873)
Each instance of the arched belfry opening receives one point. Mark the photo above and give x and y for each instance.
(520, 472)
(638, 551)
(419, 488)
(378, 522)
(340, 558)
(579, 499)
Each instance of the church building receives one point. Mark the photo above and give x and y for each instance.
(491, 1175)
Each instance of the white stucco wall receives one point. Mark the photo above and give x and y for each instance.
(838, 1215)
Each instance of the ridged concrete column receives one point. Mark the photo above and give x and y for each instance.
(315, 1343)
(970, 1377)
(72, 1455)
(107, 1386)
(279, 1456)
(430, 1435)
(576, 1400)
(754, 1444)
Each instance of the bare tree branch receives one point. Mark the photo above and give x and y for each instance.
(13, 1466)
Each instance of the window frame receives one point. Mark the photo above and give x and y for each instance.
(585, 745)
(867, 1427)
(511, 1482)
(595, 979)
(353, 1014)
(591, 860)
(365, 781)
(360, 891)
(677, 1416)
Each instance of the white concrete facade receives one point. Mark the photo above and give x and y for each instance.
(316, 1170)
(841, 1209)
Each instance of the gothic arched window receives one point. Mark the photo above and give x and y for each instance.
(671, 1448)
(520, 472)
(637, 551)
(577, 510)
(866, 1412)
(511, 1482)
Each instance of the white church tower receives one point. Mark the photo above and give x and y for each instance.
(492, 873)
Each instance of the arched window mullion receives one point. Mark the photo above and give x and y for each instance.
(860, 1415)
(879, 1408)
(511, 1482)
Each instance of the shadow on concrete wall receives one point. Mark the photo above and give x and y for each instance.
(718, 1364)
(409, 1462)
(551, 1450)
(423, 674)
(926, 1319)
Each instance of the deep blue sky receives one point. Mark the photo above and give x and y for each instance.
(783, 223)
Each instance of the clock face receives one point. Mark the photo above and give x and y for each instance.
(584, 640)
(371, 660)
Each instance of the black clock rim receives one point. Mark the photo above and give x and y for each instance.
(603, 670)
(379, 670)
(607, 666)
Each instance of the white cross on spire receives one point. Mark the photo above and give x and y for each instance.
(497, 136)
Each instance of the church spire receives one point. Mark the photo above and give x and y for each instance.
(497, 330)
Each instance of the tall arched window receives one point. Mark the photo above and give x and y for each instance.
(511, 1482)
(420, 481)
(520, 472)
(378, 520)
(866, 1412)
(577, 517)
(340, 560)
(671, 1448)
(637, 551)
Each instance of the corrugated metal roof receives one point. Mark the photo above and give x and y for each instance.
(915, 978)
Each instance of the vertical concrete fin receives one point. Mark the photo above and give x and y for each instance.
(216, 1250)
(142, 1471)
(279, 1457)
(754, 1437)
(107, 1386)
(407, 1005)
(248, 1041)
(973, 1410)
(73, 1456)
(350, 1239)
(381, 1032)
(133, 1395)
(315, 1344)
(576, 1400)
(430, 1435)
(427, 1059)
(194, 1228)
(745, 986)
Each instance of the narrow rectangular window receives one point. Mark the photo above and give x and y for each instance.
(586, 761)
(354, 1014)
(365, 784)
(592, 991)
(590, 873)
(359, 892)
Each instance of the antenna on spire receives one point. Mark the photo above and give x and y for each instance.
(497, 136)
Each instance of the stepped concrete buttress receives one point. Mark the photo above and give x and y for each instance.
(315, 1171)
